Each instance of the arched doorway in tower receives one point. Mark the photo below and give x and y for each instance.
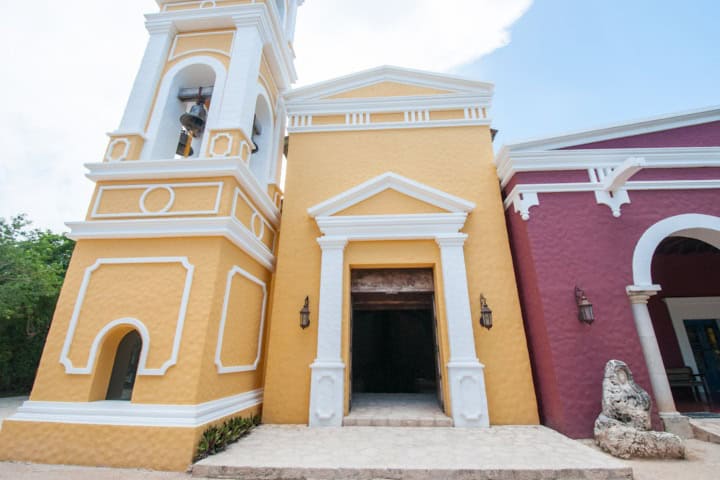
(686, 318)
(127, 358)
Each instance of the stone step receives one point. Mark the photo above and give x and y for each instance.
(706, 429)
(283, 452)
(396, 421)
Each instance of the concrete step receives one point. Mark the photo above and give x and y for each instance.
(287, 452)
(396, 410)
(706, 429)
(396, 421)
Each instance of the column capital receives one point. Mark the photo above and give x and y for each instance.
(332, 243)
(451, 240)
(641, 293)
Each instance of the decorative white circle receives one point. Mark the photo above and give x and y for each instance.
(208, 3)
(111, 148)
(261, 233)
(167, 206)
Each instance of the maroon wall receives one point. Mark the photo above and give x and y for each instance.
(703, 135)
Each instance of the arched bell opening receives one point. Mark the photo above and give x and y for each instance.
(183, 111)
(125, 366)
(262, 138)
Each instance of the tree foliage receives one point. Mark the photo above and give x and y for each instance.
(33, 263)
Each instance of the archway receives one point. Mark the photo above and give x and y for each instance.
(125, 366)
(670, 236)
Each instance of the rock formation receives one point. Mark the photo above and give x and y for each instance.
(623, 427)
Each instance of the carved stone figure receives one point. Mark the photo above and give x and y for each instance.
(623, 427)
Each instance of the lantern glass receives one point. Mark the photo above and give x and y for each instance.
(486, 319)
(305, 314)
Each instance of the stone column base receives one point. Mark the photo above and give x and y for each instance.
(677, 424)
(467, 394)
(327, 392)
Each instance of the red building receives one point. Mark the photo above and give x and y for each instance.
(629, 214)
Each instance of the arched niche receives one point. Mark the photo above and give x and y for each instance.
(164, 129)
(125, 367)
(264, 138)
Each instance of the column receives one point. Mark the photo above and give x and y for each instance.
(674, 422)
(327, 387)
(238, 103)
(147, 80)
(466, 374)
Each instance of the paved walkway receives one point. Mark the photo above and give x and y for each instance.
(396, 410)
(365, 453)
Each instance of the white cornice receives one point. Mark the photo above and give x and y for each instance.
(134, 414)
(388, 126)
(253, 14)
(227, 227)
(195, 168)
(620, 130)
(450, 101)
(396, 182)
(510, 162)
(386, 73)
(391, 227)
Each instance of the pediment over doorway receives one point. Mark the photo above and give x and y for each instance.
(391, 194)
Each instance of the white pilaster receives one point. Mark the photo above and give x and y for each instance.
(327, 389)
(651, 351)
(148, 78)
(238, 104)
(465, 372)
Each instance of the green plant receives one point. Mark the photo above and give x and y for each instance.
(216, 438)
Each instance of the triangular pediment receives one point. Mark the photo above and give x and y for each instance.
(387, 81)
(388, 194)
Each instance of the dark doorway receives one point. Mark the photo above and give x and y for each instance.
(394, 347)
(127, 357)
(394, 351)
(704, 337)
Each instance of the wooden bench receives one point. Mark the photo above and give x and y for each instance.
(683, 377)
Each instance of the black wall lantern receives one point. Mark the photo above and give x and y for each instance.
(305, 314)
(585, 308)
(486, 319)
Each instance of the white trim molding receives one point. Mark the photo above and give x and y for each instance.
(454, 93)
(258, 231)
(609, 173)
(691, 308)
(149, 188)
(122, 413)
(227, 227)
(123, 156)
(221, 368)
(234, 167)
(622, 130)
(142, 329)
(392, 227)
(391, 181)
(701, 227)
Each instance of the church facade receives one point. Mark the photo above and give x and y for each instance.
(199, 290)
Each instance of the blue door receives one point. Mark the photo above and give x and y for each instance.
(704, 337)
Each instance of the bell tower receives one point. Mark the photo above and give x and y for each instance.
(166, 297)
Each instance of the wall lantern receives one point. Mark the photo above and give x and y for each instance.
(305, 314)
(485, 313)
(585, 308)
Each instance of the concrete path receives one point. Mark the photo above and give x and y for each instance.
(9, 405)
(423, 453)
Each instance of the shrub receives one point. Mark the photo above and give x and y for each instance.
(217, 437)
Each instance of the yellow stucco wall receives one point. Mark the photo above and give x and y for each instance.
(456, 160)
(387, 89)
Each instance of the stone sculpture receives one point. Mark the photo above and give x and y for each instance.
(623, 427)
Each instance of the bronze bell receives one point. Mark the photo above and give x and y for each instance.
(182, 145)
(194, 120)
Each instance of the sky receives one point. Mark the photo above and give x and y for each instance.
(558, 66)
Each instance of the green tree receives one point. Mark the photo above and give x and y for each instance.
(33, 263)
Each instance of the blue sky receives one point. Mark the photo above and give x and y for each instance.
(573, 65)
(558, 65)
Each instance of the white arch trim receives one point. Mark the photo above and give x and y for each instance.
(273, 142)
(221, 368)
(164, 93)
(693, 225)
(142, 330)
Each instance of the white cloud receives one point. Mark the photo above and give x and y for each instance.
(336, 37)
(67, 70)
